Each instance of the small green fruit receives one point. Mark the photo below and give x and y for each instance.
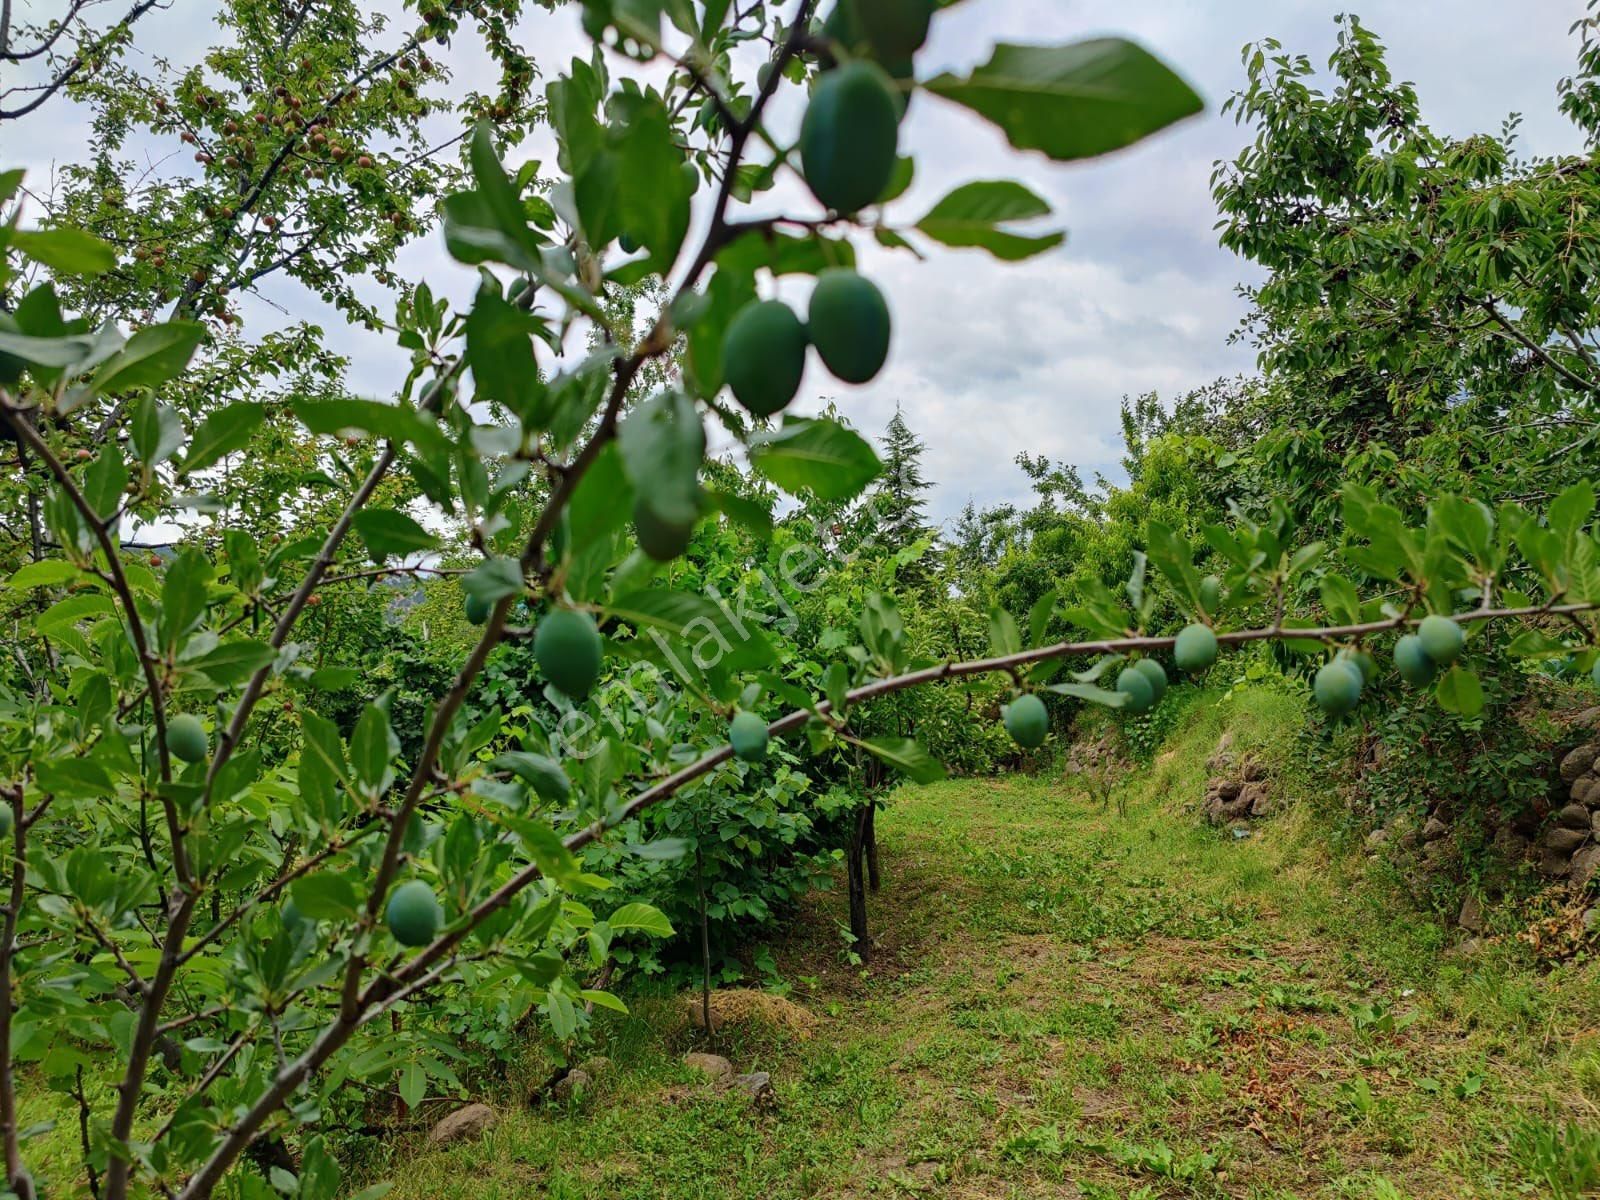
(1595, 674)
(567, 648)
(8, 820)
(691, 176)
(1027, 721)
(1415, 667)
(414, 914)
(1442, 639)
(478, 609)
(1133, 684)
(1337, 687)
(186, 738)
(628, 244)
(661, 540)
(849, 137)
(748, 733)
(1195, 648)
(764, 356)
(849, 325)
(1211, 594)
(1156, 674)
(1365, 663)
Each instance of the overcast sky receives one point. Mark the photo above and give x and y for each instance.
(991, 359)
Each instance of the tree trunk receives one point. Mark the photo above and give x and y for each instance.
(874, 877)
(854, 859)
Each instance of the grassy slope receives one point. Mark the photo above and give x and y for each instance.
(1074, 1002)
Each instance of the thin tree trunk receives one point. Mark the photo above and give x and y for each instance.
(874, 877)
(854, 859)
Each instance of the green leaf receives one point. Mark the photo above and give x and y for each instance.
(391, 534)
(716, 633)
(223, 432)
(1460, 692)
(49, 572)
(153, 356)
(543, 774)
(602, 1000)
(183, 596)
(389, 421)
(1004, 636)
(325, 896)
(907, 757)
(105, 480)
(157, 431)
(663, 444)
(67, 251)
(373, 747)
(1088, 692)
(818, 457)
(1073, 101)
(645, 918)
(234, 662)
(496, 579)
(973, 213)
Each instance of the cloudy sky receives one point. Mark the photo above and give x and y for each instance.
(991, 359)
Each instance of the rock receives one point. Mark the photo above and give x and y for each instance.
(1589, 718)
(756, 1086)
(1434, 830)
(1252, 771)
(571, 1086)
(1471, 915)
(1578, 762)
(1584, 864)
(713, 1066)
(1553, 864)
(1591, 919)
(595, 1067)
(1562, 839)
(1511, 845)
(464, 1125)
(1594, 822)
(1587, 790)
(1255, 798)
(1435, 851)
(1378, 838)
(1220, 756)
(1573, 816)
(1466, 949)
(1224, 789)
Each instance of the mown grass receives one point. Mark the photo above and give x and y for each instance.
(1069, 1001)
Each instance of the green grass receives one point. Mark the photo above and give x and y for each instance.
(1087, 1000)
(1069, 1002)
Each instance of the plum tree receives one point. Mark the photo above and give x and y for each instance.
(186, 738)
(748, 733)
(566, 645)
(848, 323)
(1156, 674)
(1412, 660)
(1441, 639)
(413, 913)
(1135, 685)
(764, 356)
(1195, 648)
(1337, 687)
(660, 539)
(849, 137)
(1027, 721)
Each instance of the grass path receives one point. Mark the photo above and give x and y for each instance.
(1069, 1001)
